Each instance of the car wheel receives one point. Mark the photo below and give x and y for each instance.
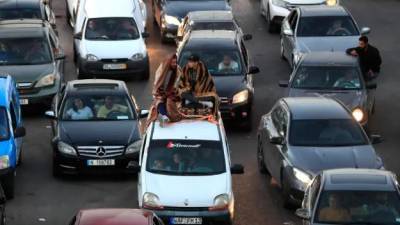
(260, 159)
(8, 185)
(282, 51)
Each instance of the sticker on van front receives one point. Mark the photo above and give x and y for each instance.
(171, 145)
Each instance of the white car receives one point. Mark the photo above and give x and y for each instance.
(109, 40)
(275, 11)
(185, 173)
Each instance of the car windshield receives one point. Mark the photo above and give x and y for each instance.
(358, 207)
(327, 78)
(20, 13)
(326, 133)
(218, 62)
(111, 29)
(86, 107)
(321, 26)
(24, 51)
(4, 126)
(183, 157)
(214, 26)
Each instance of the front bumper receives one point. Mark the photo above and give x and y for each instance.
(38, 95)
(97, 67)
(208, 217)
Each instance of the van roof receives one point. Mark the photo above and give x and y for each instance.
(107, 8)
(187, 130)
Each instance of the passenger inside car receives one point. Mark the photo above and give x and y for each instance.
(349, 80)
(37, 52)
(337, 29)
(110, 109)
(228, 65)
(333, 211)
(79, 111)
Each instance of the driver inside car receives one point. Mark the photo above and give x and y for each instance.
(110, 106)
(349, 80)
(228, 65)
(337, 29)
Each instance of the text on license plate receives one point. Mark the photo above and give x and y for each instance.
(23, 101)
(186, 220)
(120, 66)
(101, 162)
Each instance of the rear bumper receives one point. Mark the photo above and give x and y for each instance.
(208, 217)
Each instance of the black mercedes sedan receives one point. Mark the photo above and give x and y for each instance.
(227, 60)
(96, 127)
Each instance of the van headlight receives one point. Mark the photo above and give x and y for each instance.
(331, 2)
(358, 114)
(91, 58)
(221, 202)
(151, 201)
(134, 147)
(171, 20)
(137, 57)
(66, 148)
(240, 97)
(47, 80)
(302, 176)
(4, 162)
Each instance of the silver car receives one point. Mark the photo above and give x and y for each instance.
(335, 75)
(318, 28)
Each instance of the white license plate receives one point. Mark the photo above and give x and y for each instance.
(23, 101)
(121, 66)
(186, 220)
(101, 162)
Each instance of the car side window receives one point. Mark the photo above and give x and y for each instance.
(15, 100)
(294, 21)
(275, 116)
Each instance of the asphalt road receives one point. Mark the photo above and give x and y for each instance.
(42, 199)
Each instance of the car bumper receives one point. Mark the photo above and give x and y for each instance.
(38, 95)
(239, 111)
(208, 217)
(169, 31)
(278, 13)
(98, 67)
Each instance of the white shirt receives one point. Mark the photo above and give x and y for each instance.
(232, 66)
(81, 114)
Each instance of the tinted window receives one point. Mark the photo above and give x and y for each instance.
(182, 157)
(361, 207)
(325, 78)
(4, 127)
(326, 26)
(335, 132)
(213, 26)
(111, 29)
(8, 14)
(24, 51)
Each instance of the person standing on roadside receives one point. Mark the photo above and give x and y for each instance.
(369, 58)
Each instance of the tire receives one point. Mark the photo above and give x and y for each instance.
(8, 185)
(260, 159)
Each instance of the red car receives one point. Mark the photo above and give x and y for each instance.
(115, 217)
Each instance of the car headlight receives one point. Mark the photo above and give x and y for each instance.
(171, 20)
(66, 148)
(358, 114)
(134, 147)
(331, 2)
(47, 80)
(302, 176)
(91, 58)
(240, 97)
(151, 201)
(221, 202)
(280, 3)
(4, 162)
(137, 57)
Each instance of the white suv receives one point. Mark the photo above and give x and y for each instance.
(185, 173)
(109, 40)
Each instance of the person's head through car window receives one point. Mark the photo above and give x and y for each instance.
(79, 111)
(228, 64)
(112, 109)
(334, 211)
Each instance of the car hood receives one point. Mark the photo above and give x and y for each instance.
(351, 98)
(28, 73)
(114, 49)
(181, 8)
(308, 44)
(315, 159)
(227, 86)
(91, 132)
(305, 2)
(196, 190)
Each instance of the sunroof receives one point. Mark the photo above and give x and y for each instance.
(358, 179)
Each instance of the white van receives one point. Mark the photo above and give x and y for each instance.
(109, 40)
(185, 173)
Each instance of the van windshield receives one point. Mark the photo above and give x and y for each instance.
(183, 157)
(111, 29)
(4, 128)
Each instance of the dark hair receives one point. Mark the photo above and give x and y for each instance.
(74, 106)
(194, 58)
(364, 39)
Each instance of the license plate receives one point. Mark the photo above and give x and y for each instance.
(101, 162)
(121, 66)
(186, 220)
(23, 101)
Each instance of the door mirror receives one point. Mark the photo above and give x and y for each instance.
(288, 32)
(283, 83)
(145, 35)
(253, 70)
(78, 36)
(143, 113)
(19, 132)
(365, 30)
(276, 140)
(376, 139)
(247, 37)
(237, 169)
(303, 214)
(372, 86)
(50, 115)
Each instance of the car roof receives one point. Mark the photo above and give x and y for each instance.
(221, 39)
(214, 15)
(114, 216)
(107, 8)
(187, 130)
(322, 10)
(328, 59)
(5, 81)
(314, 108)
(358, 179)
(14, 4)
(96, 85)
(20, 28)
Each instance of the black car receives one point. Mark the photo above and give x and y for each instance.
(96, 127)
(27, 9)
(168, 14)
(234, 85)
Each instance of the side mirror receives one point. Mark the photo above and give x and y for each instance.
(303, 214)
(276, 140)
(376, 139)
(283, 83)
(253, 70)
(365, 30)
(50, 115)
(237, 169)
(371, 86)
(19, 132)
(145, 35)
(247, 37)
(288, 32)
(78, 36)
(143, 113)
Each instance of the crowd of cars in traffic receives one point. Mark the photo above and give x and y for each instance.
(315, 142)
